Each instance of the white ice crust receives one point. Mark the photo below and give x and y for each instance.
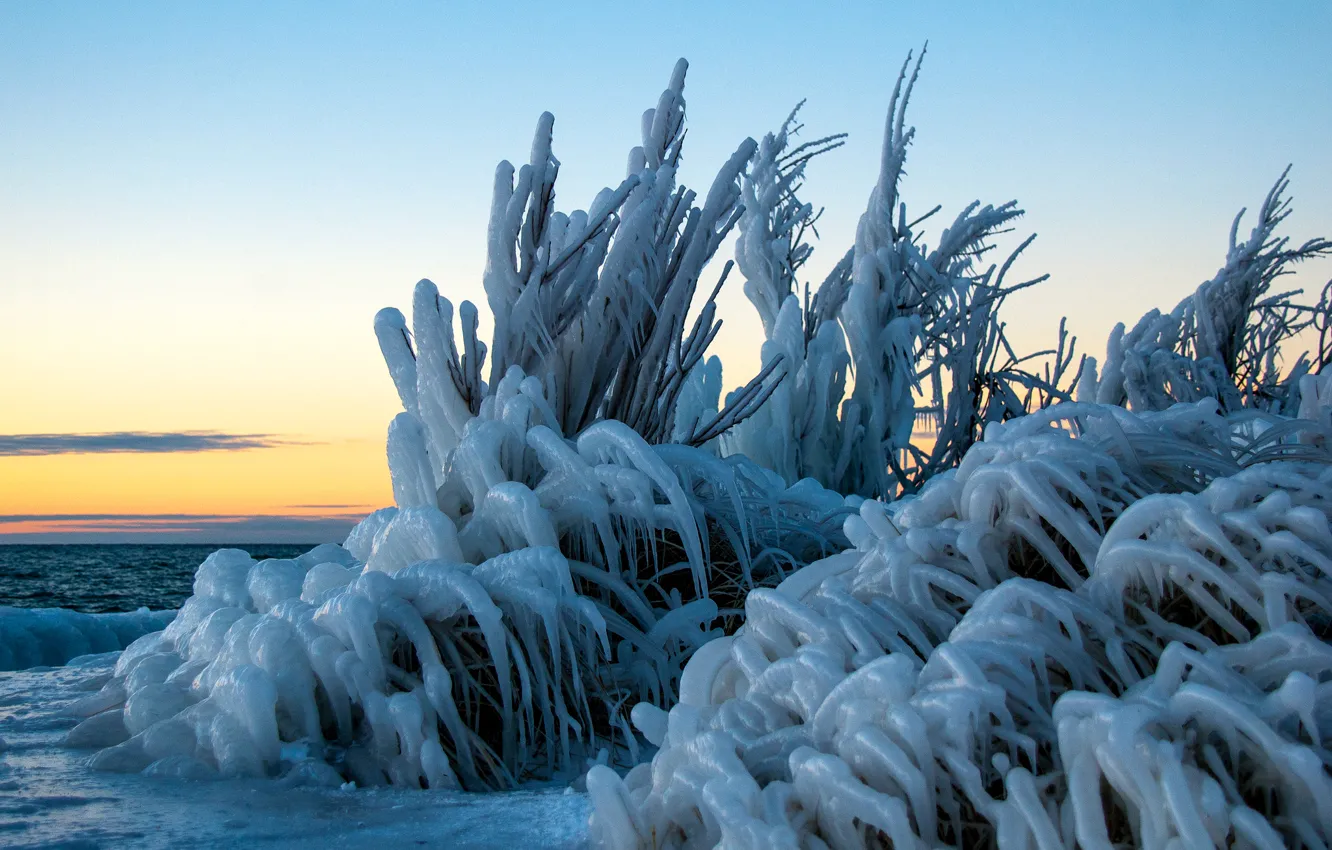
(1164, 670)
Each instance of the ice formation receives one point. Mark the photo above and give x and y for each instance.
(797, 433)
(49, 799)
(470, 648)
(920, 328)
(1055, 645)
(551, 558)
(1095, 622)
(33, 637)
(1225, 340)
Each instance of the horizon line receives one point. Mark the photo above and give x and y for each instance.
(181, 529)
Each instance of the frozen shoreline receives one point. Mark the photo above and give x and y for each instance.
(48, 796)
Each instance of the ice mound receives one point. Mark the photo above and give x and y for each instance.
(489, 629)
(48, 637)
(416, 669)
(565, 533)
(1049, 647)
(373, 669)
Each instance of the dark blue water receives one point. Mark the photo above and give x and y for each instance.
(116, 577)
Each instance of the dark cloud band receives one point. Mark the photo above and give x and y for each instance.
(174, 528)
(143, 442)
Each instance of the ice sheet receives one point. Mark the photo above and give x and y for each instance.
(49, 798)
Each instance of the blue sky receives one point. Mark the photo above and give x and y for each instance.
(202, 205)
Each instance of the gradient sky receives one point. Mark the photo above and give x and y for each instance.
(203, 205)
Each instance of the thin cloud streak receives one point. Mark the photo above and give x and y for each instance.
(173, 528)
(138, 442)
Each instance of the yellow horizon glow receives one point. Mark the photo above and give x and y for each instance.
(351, 474)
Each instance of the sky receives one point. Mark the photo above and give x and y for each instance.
(203, 205)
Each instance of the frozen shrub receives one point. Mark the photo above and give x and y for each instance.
(1097, 623)
(1225, 341)
(552, 558)
(919, 326)
(1035, 651)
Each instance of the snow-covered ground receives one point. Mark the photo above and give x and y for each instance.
(49, 798)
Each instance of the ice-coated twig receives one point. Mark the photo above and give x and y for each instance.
(1225, 340)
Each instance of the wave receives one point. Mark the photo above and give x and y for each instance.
(49, 637)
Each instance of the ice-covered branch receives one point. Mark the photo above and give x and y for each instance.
(1225, 340)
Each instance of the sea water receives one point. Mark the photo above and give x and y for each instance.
(112, 577)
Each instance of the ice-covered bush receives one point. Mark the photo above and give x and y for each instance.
(414, 670)
(919, 326)
(926, 319)
(591, 304)
(797, 433)
(1103, 624)
(552, 557)
(1040, 649)
(1225, 341)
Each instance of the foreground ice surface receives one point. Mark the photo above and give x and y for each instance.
(48, 797)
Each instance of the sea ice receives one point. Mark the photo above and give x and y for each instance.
(49, 798)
